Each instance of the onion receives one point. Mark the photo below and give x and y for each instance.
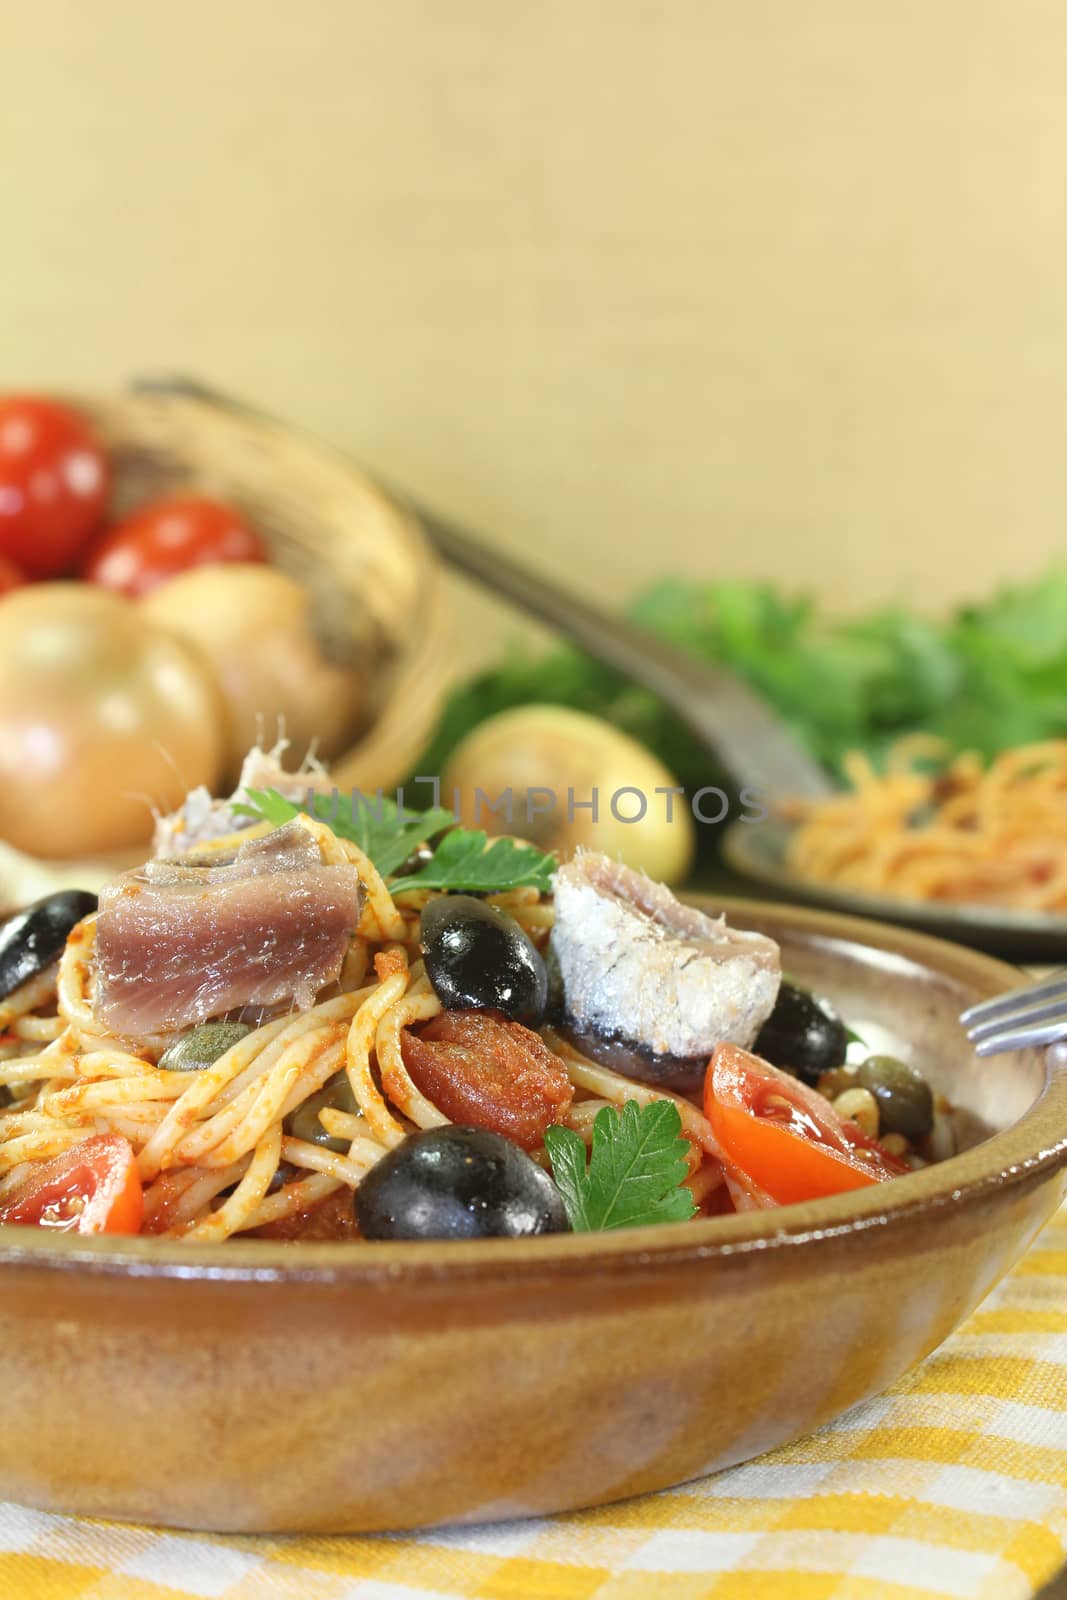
(254, 625)
(552, 748)
(102, 717)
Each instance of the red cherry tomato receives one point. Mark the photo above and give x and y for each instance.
(94, 1187)
(54, 480)
(168, 537)
(786, 1142)
(10, 576)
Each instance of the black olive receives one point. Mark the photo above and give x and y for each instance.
(905, 1099)
(202, 1046)
(478, 959)
(458, 1183)
(32, 939)
(803, 1034)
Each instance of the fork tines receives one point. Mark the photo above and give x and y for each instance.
(1034, 1015)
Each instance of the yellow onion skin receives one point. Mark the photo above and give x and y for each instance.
(255, 626)
(103, 717)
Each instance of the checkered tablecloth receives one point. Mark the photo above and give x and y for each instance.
(953, 1483)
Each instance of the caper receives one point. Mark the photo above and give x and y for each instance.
(905, 1102)
(304, 1122)
(201, 1047)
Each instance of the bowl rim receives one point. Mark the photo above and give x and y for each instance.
(1027, 1153)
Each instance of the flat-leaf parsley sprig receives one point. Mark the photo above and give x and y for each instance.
(463, 861)
(635, 1172)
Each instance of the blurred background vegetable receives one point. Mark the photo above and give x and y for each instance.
(989, 675)
(172, 646)
(169, 537)
(568, 756)
(10, 576)
(54, 480)
(255, 628)
(102, 716)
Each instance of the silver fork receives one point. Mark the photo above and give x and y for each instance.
(1034, 1015)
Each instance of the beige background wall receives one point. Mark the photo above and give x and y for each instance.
(735, 286)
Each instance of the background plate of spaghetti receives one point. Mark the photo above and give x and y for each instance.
(953, 845)
(384, 1382)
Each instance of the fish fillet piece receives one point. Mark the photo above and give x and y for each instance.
(180, 941)
(649, 985)
(201, 818)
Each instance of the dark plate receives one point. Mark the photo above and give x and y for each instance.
(756, 853)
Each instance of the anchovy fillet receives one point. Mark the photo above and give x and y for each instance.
(638, 968)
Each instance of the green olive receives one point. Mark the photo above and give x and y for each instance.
(304, 1122)
(201, 1047)
(905, 1102)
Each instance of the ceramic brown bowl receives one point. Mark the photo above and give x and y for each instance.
(264, 1387)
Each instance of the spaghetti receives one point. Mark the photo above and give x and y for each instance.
(411, 1040)
(961, 831)
(214, 1148)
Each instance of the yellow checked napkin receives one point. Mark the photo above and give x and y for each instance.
(954, 1483)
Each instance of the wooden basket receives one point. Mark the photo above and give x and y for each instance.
(376, 586)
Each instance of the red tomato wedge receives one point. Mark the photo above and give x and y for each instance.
(94, 1187)
(786, 1141)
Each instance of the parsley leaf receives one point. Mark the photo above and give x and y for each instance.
(463, 861)
(373, 825)
(635, 1171)
(267, 805)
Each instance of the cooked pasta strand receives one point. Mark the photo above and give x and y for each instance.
(965, 832)
(235, 1212)
(611, 1086)
(383, 1125)
(294, 1198)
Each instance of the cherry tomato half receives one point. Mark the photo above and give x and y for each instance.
(168, 537)
(94, 1187)
(485, 1071)
(54, 480)
(10, 576)
(786, 1141)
